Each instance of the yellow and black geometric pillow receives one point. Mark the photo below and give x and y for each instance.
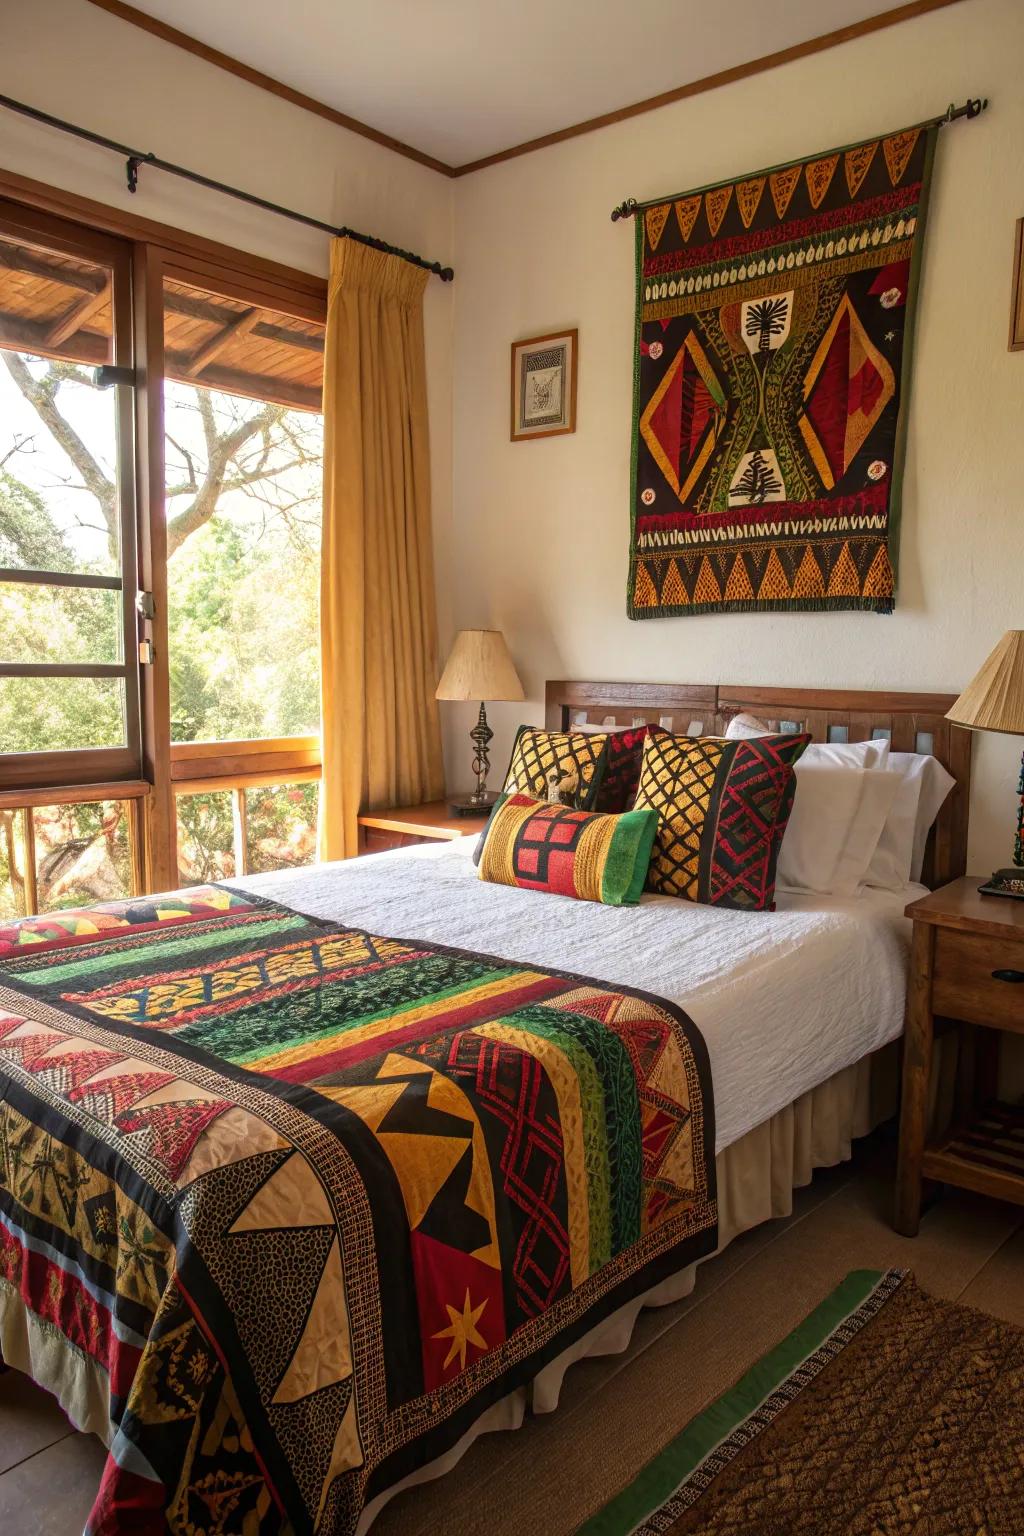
(722, 809)
(578, 756)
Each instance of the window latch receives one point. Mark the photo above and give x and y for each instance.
(146, 653)
(108, 374)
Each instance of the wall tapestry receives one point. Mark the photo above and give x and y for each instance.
(773, 341)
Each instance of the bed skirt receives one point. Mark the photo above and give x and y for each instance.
(756, 1179)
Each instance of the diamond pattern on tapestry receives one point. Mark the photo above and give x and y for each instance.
(686, 413)
(846, 389)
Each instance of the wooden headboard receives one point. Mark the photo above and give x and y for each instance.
(912, 722)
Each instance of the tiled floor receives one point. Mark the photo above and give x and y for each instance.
(615, 1412)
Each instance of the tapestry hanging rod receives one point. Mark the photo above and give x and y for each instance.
(971, 108)
(135, 158)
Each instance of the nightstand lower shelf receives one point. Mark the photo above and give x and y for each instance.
(985, 1154)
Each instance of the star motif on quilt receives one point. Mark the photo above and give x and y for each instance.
(462, 1331)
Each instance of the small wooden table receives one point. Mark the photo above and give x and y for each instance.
(408, 825)
(966, 965)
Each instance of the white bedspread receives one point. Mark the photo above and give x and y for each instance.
(784, 999)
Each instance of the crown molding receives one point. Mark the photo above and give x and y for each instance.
(233, 66)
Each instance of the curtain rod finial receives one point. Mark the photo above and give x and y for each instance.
(624, 210)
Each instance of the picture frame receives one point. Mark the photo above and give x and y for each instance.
(544, 385)
(1016, 343)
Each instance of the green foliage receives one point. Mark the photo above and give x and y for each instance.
(243, 645)
(28, 536)
(282, 825)
(205, 837)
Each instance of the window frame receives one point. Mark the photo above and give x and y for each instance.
(89, 765)
(156, 252)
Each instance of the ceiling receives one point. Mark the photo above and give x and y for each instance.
(461, 79)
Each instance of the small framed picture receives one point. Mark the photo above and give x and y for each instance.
(1017, 296)
(544, 385)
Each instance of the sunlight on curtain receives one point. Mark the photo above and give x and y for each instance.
(381, 739)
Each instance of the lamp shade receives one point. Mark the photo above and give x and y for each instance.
(994, 699)
(479, 667)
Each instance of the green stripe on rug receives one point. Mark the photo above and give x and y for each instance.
(678, 1460)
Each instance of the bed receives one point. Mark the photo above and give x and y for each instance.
(205, 1250)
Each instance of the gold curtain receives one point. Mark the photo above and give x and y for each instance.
(378, 627)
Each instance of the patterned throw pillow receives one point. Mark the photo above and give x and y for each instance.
(723, 807)
(569, 852)
(579, 756)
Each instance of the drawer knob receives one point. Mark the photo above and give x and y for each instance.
(1008, 975)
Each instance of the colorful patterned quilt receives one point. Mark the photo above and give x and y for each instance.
(295, 1204)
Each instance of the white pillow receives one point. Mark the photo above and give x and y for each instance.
(936, 784)
(891, 863)
(858, 754)
(839, 812)
(921, 793)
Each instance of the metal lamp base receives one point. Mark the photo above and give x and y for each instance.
(1005, 882)
(472, 805)
(479, 802)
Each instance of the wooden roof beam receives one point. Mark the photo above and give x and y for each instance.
(265, 330)
(18, 258)
(212, 349)
(20, 335)
(252, 386)
(74, 318)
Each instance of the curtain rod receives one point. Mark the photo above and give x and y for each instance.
(135, 158)
(972, 108)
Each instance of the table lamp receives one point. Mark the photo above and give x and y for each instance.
(994, 701)
(479, 667)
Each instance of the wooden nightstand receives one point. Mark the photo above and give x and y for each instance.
(967, 965)
(412, 824)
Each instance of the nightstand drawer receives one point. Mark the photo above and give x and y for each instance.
(973, 979)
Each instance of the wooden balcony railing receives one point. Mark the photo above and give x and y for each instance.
(197, 768)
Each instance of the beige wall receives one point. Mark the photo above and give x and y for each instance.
(71, 59)
(541, 528)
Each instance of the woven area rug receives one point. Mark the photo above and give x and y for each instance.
(885, 1413)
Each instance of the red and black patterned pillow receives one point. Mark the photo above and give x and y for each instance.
(723, 807)
(623, 755)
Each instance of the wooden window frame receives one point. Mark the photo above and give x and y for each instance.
(158, 771)
(89, 765)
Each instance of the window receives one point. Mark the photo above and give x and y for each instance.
(68, 670)
(159, 559)
(243, 481)
(244, 471)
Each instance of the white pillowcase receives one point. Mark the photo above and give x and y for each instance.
(890, 865)
(923, 787)
(857, 754)
(839, 812)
